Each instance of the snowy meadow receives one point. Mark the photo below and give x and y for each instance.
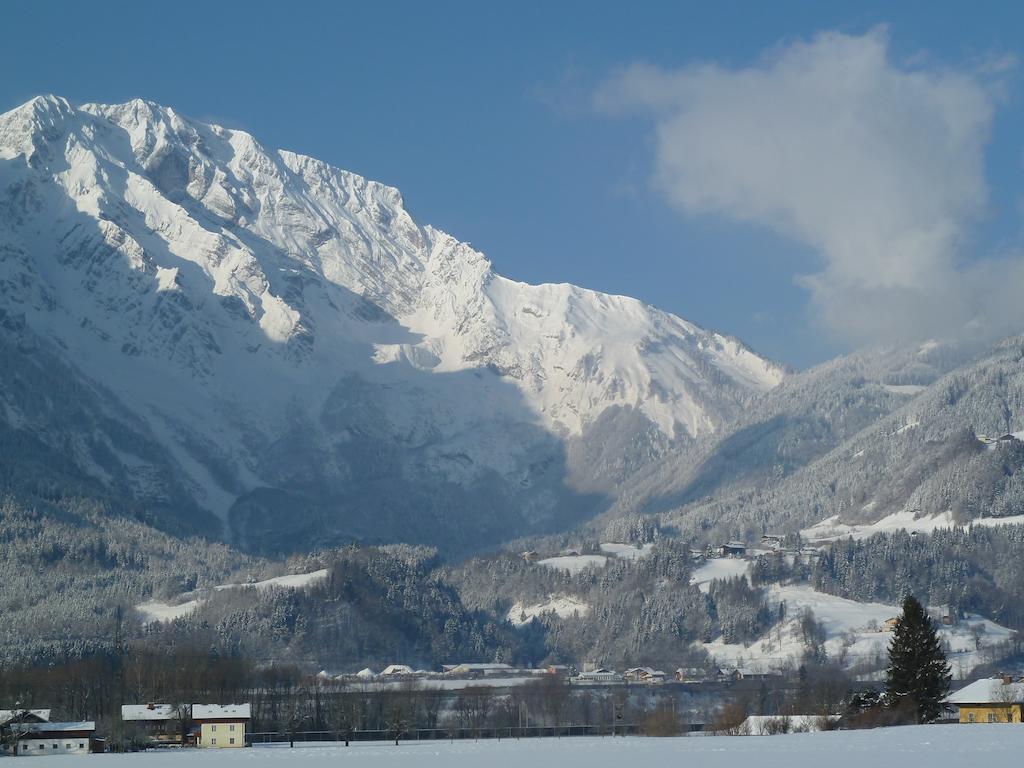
(938, 746)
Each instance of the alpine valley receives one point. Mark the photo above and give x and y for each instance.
(222, 363)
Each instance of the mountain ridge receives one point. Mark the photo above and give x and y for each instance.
(296, 340)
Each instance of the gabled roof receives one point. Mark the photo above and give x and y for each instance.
(397, 669)
(148, 712)
(988, 691)
(221, 712)
(6, 715)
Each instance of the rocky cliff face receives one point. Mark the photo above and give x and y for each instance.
(297, 358)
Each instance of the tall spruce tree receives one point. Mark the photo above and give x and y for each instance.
(918, 675)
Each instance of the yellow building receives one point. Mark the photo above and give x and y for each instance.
(999, 700)
(221, 726)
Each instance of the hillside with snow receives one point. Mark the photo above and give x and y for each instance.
(258, 342)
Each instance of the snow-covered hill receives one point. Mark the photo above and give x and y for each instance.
(307, 361)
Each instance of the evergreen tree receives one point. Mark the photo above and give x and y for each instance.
(918, 675)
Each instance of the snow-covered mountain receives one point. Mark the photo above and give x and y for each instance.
(285, 347)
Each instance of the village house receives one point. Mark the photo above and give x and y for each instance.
(159, 724)
(38, 738)
(732, 549)
(691, 675)
(600, 675)
(221, 726)
(474, 670)
(644, 675)
(999, 700)
(397, 670)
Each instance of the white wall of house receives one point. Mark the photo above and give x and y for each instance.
(38, 746)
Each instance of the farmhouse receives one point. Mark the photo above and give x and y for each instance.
(644, 675)
(733, 549)
(221, 725)
(46, 738)
(998, 700)
(159, 724)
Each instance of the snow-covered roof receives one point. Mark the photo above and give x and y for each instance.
(144, 712)
(735, 545)
(397, 669)
(9, 714)
(366, 673)
(81, 725)
(988, 691)
(221, 711)
(475, 667)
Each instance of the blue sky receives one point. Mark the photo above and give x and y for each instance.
(485, 116)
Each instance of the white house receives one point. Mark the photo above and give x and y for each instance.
(221, 726)
(39, 739)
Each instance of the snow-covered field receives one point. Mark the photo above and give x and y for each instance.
(563, 606)
(719, 568)
(831, 529)
(626, 551)
(574, 563)
(936, 746)
(157, 610)
(851, 631)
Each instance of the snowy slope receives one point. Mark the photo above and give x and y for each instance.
(852, 635)
(294, 338)
(159, 610)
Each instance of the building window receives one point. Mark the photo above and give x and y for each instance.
(213, 741)
(81, 745)
(991, 717)
(232, 739)
(213, 727)
(231, 727)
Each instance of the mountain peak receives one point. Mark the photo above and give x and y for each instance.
(275, 320)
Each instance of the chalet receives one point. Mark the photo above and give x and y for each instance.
(644, 675)
(600, 675)
(160, 724)
(46, 738)
(221, 726)
(732, 549)
(889, 624)
(692, 675)
(999, 700)
(772, 541)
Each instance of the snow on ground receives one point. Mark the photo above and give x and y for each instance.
(154, 610)
(290, 581)
(157, 610)
(563, 606)
(904, 389)
(830, 529)
(937, 746)
(719, 568)
(627, 551)
(574, 563)
(851, 631)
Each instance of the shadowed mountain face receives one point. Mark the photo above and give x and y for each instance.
(270, 349)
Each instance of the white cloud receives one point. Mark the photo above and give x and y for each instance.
(878, 167)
